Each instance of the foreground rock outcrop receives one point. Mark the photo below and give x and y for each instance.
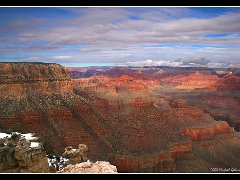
(75, 156)
(19, 155)
(76, 161)
(89, 167)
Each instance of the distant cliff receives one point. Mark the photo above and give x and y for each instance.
(21, 79)
(31, 72)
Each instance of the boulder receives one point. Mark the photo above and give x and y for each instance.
(76, 155)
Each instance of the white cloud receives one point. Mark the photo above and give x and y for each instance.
(153, 63)
(196, 62)
(62, 57)
(110, 35)
(180, 64)
(113, 25)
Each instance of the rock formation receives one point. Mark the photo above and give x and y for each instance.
(75, 156)
(19, 155)
(76, 161)
(229, 82)
(43, 99)
(195, 80)
(89, 167)
(22, 79)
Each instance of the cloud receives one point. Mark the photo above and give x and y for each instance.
(62, 57)
(113, 25)
(153, 63)
(219, 65)
(126, 34)
(196, 62)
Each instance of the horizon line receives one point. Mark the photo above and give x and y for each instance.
(119, 65)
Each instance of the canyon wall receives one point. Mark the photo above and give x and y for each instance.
(198, 155)
(21, 79)
(40, 98)
(117, 117)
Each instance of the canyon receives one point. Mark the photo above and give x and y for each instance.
(140, 119)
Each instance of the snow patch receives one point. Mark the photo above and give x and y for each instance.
(30, 137)
(57, 163)
(3, 135)
(35, 145)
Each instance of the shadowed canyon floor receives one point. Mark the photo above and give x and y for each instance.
(149, 119)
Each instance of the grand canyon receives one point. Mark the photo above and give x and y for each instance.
(119, 90)
(140, 119)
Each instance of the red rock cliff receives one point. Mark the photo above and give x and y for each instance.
(21, 79)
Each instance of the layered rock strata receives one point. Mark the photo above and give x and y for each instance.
(118, 120)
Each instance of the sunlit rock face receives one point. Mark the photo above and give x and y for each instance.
(89, 167)
(192, 81)
(23, 79)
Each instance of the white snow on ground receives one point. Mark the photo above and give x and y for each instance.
(55, 164)
(35, 145)
(3, 135)
(30, 137)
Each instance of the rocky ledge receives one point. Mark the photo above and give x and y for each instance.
(78, 162)
(89, 167)
(20, 153)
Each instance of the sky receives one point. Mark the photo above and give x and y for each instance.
(129, 36)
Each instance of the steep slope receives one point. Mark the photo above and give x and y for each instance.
(174, 140)
(40, 97)
(229, 82)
